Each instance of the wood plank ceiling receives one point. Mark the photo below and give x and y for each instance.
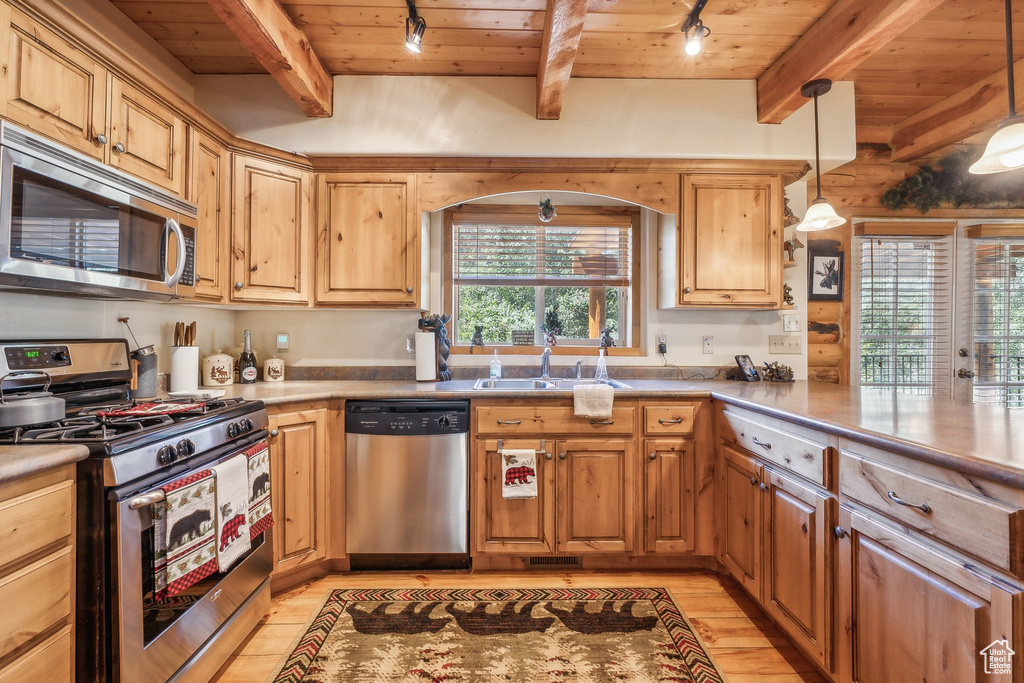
(927, 73)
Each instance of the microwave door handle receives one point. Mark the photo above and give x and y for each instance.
(172, 226)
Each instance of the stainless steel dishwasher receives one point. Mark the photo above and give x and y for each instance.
(407, 484)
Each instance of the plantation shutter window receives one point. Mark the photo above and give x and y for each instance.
(903, 312)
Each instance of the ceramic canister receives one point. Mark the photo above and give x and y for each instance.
(273, 370)
(218, 370)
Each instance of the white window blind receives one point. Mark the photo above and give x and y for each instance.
(998, 321)
(903, 313)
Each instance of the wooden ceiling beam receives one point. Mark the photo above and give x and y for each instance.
(975, 109)
(283, 50)
(846, 35)
(563, 25)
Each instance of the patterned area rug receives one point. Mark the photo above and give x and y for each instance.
(606, 634)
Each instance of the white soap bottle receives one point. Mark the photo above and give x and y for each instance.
(495, 372)
(601, 372)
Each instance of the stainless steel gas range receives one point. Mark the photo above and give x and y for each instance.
(126, 630)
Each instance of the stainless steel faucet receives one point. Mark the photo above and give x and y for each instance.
(579, 369)
(545, 363)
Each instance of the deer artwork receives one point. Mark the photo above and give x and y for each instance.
(437, 324)
(830, 276)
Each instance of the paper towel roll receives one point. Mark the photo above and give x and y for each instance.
(426, 357)
(184, 368)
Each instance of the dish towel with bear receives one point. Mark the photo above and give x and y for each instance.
(185, 533)
(519, 473)
(260, 518)
(232, 510)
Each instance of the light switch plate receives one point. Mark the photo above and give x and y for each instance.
(785, 344)
(791, 322)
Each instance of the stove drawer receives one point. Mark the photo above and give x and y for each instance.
(34, 599)
(35, 520)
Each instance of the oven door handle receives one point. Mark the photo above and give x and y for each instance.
(146, 499)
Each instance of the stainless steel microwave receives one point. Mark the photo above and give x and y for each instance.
(73, 225)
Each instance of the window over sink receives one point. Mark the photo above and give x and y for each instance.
(507, 271)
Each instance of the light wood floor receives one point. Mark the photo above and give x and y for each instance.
(746, 645)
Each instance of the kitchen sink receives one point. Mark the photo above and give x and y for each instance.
(513, 384)
(540, 384)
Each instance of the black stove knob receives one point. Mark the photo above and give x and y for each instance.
(60, 356)
(166, 455)
(186, 448)
(444, 422)
(247, 425)
(234, 430)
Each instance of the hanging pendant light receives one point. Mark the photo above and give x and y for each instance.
(1005, 149)
(820, 214)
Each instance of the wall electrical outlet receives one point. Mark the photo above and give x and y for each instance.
(410, 344)
(785, 344)
(708, 345)
(662, 342)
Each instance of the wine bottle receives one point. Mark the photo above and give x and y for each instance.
(247, 362)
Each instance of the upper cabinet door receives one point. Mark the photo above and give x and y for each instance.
(208, 189)
(147, 138)
(368, 246)
(51, 86)
(730, 247)
(270, 215)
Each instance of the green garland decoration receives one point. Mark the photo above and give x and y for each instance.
(952, 184)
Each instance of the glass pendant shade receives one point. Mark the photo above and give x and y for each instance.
(1005, 149)
(820, 216)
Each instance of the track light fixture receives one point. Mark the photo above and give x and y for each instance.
(415, 27)
(694, 30)
(820, 214)
(1005, 149)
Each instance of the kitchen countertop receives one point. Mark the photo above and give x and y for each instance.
(977, 440)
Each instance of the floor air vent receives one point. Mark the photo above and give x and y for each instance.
(545, 562)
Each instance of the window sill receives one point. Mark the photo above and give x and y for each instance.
(509, 350)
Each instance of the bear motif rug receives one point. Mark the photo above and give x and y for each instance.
(444, 635)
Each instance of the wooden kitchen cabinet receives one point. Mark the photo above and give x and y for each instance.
(742, 530)
(730, 241)
(57, 89)
(669, 456)
(910, 612)
(595, 501)
(368, 241)
(522, 526)
(271, 212)
(299, 487)
(37, 576)
(209, 189)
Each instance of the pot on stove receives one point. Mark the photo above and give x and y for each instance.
(29, 407)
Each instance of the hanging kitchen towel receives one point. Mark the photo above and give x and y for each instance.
(260, 518)
(232, 510)
(519, 472)
(593, 400)
(186, 537)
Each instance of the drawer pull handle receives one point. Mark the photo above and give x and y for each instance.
(562, 455)
(676, 421)
(510, 422)
(763, 444)
(840, 532)
(753, 481)
(923, 507)
(602, 422)
(547, 456)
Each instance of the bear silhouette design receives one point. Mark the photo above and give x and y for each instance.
(187, 527)
(260, 484)
(232, 528)
(518, 475)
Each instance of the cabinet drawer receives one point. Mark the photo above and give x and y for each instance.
(48, 661)
(795, 451)
(34, 520)
(669, 419)
(35, 598)
(982, 527)
(550, 420)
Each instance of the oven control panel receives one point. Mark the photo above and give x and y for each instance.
(37, 357)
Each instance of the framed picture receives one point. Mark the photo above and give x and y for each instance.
(747, 368)
(825, 275)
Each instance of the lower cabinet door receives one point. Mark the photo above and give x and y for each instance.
(298, 480)
(908, 612)
(669, 500)
(512, 526)
(741, 519)
(798, 562)
(596, 482)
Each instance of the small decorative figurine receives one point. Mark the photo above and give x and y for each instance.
(436, 324)
(545, 209)
(788, 217)
(777, 372)
(787, 294)
(606, 338)
(551, 339)
(790, 246)
(478, 338)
